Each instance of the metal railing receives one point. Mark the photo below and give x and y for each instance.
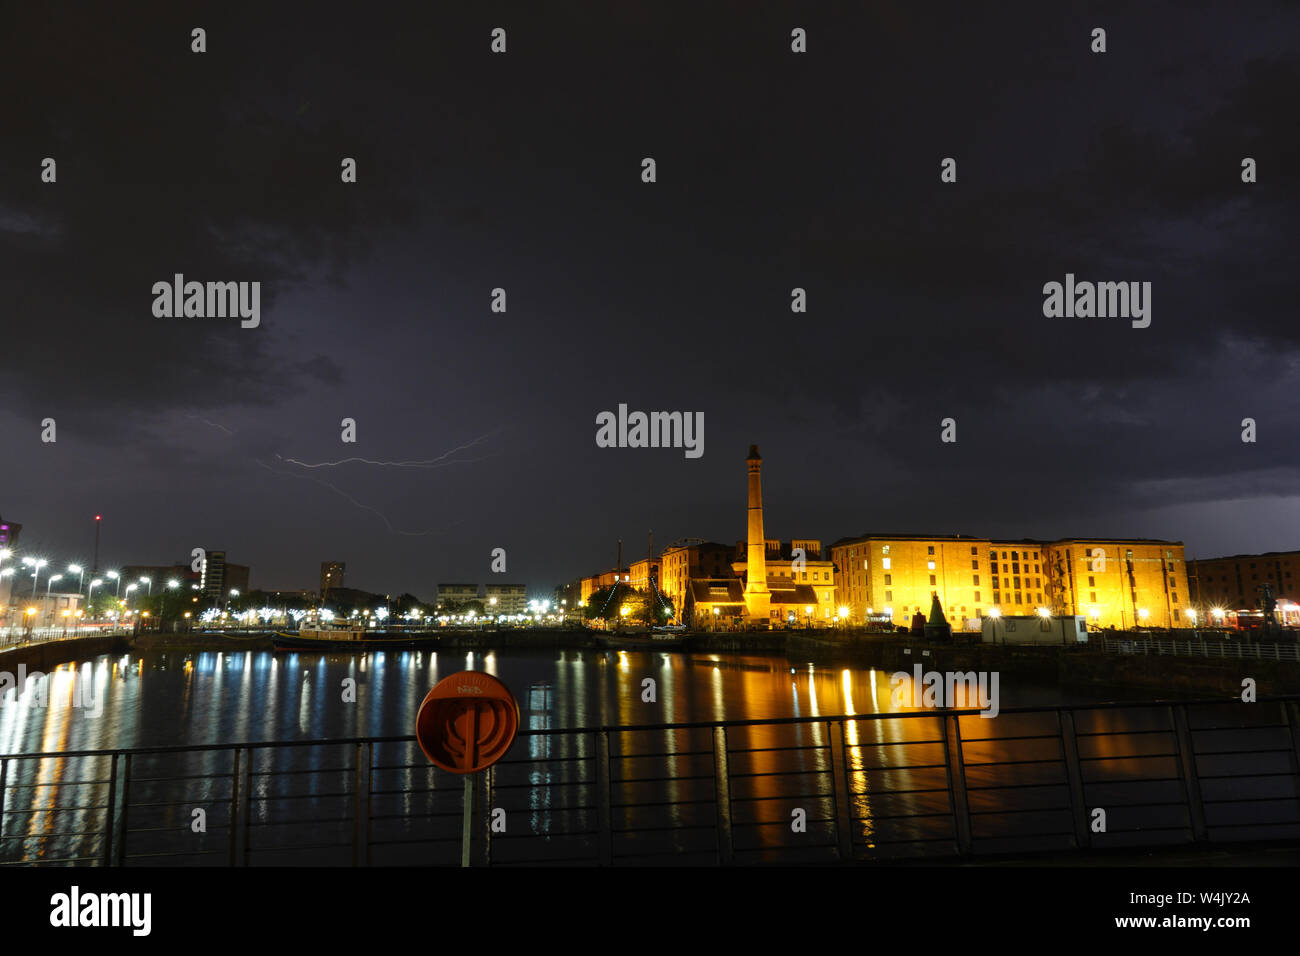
(1240, 650)
(17, 636)
(807, 789)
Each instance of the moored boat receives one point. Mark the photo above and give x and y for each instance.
(348, 638)
(642, 641)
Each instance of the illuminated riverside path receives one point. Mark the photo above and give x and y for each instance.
(666, 779)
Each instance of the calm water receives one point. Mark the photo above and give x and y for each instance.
(170, 698)
(327, 803)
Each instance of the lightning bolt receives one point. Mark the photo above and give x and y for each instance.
(339, 491)
(440, 461)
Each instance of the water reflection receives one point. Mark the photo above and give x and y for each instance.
(661, 782)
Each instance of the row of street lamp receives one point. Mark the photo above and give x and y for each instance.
(36, 564)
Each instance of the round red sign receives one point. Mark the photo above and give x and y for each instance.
(467, 722)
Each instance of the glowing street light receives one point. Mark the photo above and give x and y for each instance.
(76, 569)
(1043, 612)
(116, 577)
(90, 589)
(148, 582)
(995, 612)
(36, 571)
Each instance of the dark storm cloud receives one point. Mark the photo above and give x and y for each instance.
(775, 171)
(165, 165)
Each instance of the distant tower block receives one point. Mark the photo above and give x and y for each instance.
(757, 597)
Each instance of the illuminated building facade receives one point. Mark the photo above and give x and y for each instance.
(692, 560)
(1234, 584)
(509, 599)
(1113, 582)
(897, 575)
(641, 573)
(1121, 582)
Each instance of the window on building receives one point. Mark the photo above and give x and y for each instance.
(932, 579)
(997, 598)
(884, 563)
(975, 565)
(1016, 583)
(930, 550)
(889, 579)
(975, 579)
(977, 595)
(995, 581)
(1018, 601)
(884, 549)
(1092, 596)
(889, 596)
(974, 550)
(1092, 582)
(930, 565)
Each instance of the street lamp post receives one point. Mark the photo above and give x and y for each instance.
(116, 577)
(90, 591)
(36, 573)
(49, 583)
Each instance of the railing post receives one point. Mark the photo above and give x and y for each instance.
(949, 724)
(361, 805)
(485, 819)
(4, 777)
(246, 798)
(1187, 770)
(1291, 717)
(604, 823)
(1074, 778)
(841, 793)
(109, 822)
(234, 809)
(722, 796)
(126, 806)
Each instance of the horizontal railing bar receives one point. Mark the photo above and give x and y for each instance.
(73, 783)
(94, 806)
(314, 821)
(665, 803)
(661, 753)
(258, 798)
(731, 724)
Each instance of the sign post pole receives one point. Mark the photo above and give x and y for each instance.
(469, 815)
(465, 725)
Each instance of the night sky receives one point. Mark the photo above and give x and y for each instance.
(523, 171)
